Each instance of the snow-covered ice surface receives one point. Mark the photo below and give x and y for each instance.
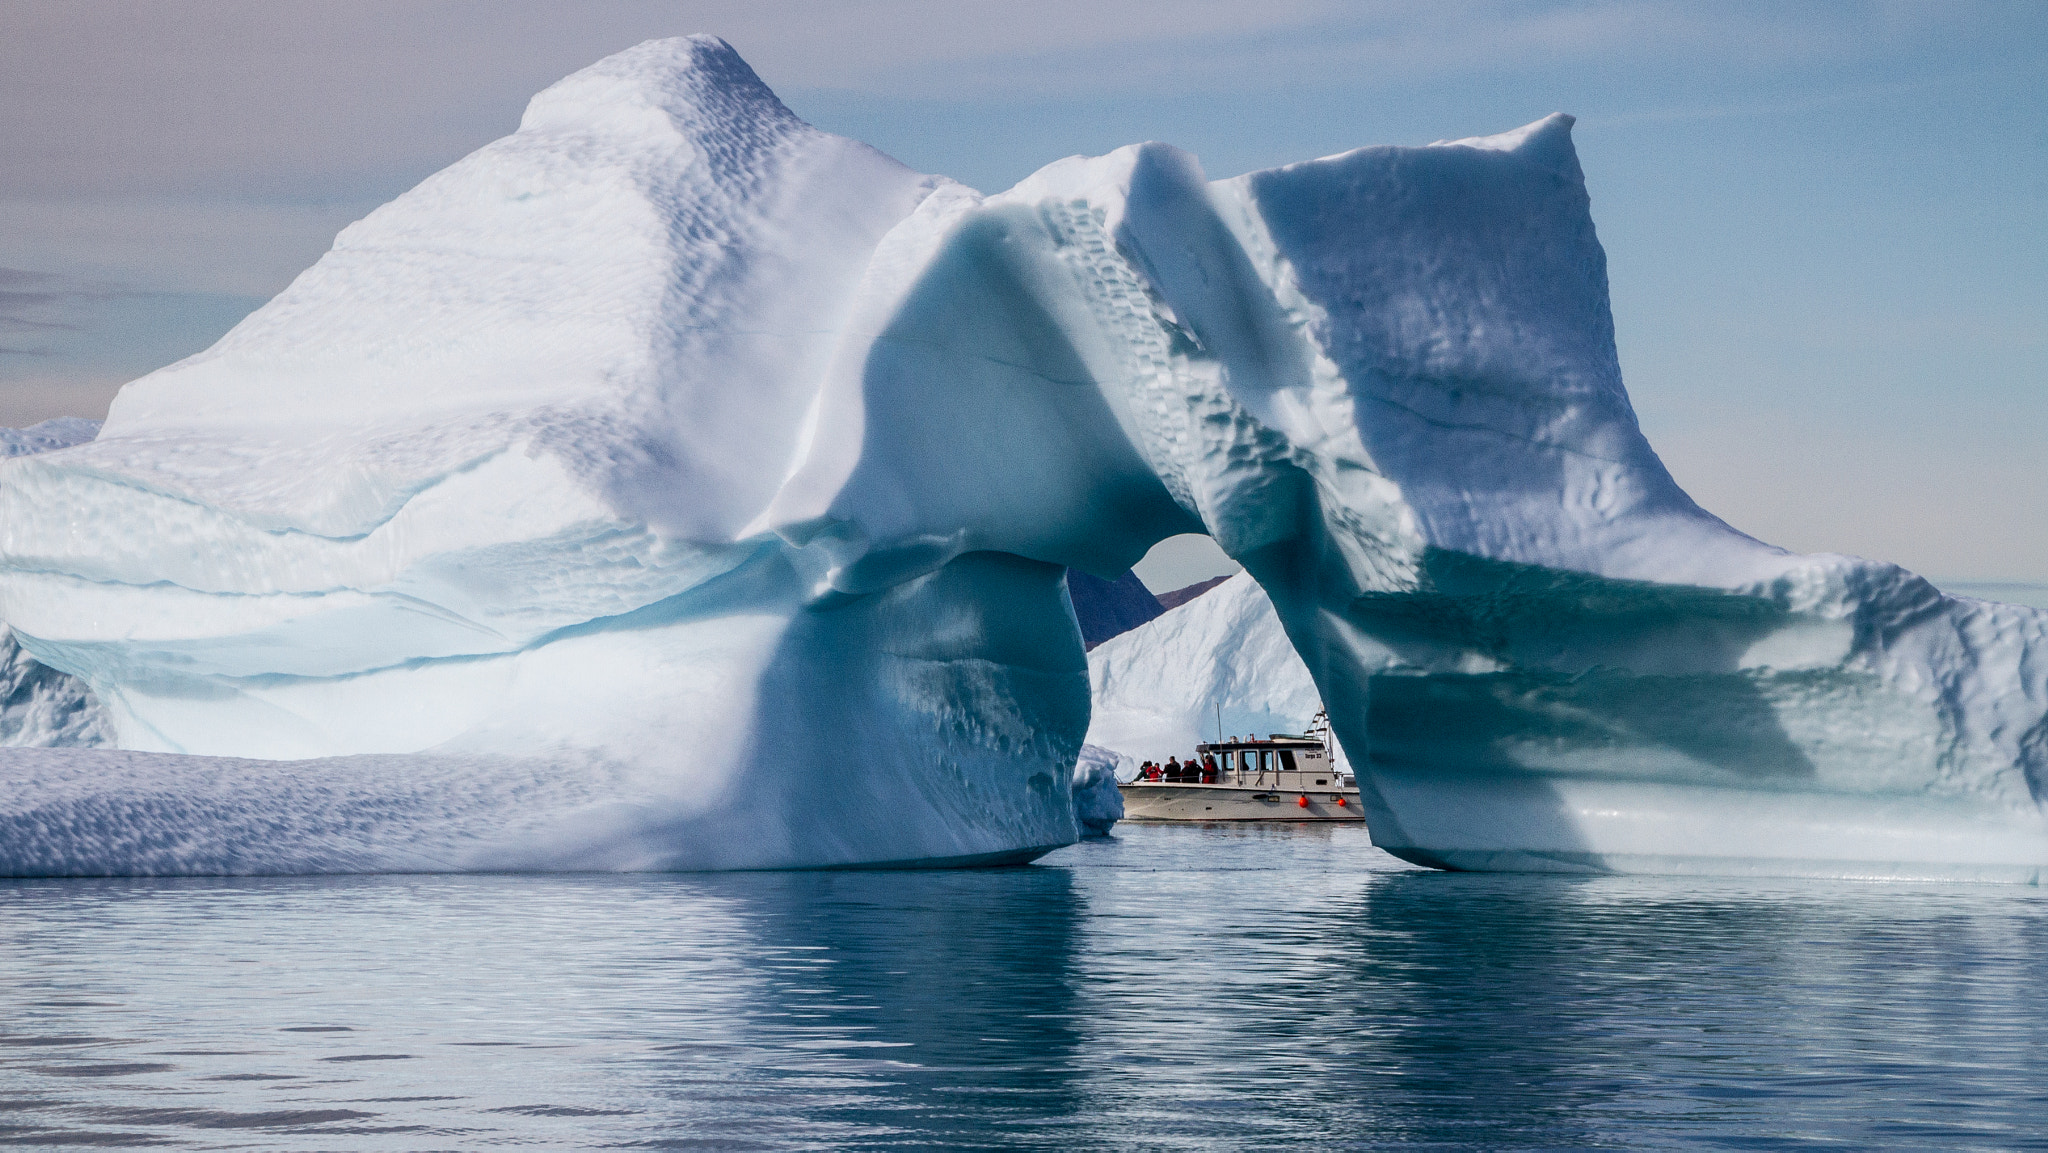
(681, 486)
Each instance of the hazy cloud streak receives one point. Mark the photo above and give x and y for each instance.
(36, 304)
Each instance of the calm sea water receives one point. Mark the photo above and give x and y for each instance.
(1173, 988)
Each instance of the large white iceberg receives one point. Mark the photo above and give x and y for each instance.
(677, 485)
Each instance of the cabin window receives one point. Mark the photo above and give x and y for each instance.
(1287, 759)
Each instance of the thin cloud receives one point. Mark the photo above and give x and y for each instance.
(54, 390)
(1391, 43)
(34, 304)
(317, 102)
(1837, 98)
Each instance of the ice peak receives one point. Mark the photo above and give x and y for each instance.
(698, 82)
(1547, 142)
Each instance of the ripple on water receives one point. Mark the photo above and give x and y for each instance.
(1174, 986)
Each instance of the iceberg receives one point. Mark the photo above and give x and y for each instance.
(1220, 662)
(1098, 806)
(671, 484)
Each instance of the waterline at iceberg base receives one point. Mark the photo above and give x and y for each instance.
(673, 485)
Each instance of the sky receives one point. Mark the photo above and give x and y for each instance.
(1826, 224)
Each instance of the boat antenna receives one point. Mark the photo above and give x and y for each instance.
(1219, 722)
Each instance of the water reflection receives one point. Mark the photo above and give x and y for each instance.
(1618, 1011)
(936, 1003)
(1173, 987)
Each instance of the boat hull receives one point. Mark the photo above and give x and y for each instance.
(1162, 801)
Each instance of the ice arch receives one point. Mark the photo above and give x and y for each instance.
(671, 485)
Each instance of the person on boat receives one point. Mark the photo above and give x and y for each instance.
(1209, 769)
(1148, 771)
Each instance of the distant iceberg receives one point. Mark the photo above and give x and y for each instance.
(62, 432)
(1222, 661)
(670, 484)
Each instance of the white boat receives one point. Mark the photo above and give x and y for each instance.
(1281, 778)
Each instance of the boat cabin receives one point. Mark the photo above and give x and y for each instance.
(1281, 761)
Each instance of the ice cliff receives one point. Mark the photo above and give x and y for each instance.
(674, 485)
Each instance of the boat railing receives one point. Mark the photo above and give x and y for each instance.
(1294, 780)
